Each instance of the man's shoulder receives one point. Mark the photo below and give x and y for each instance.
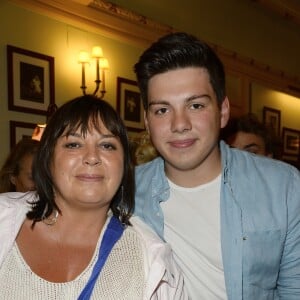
(251, 163)
(150, 168)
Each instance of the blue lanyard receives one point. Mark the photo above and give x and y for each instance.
(112, 234)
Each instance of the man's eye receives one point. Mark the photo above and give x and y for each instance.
(196, 106)
(161, 111)
(252, 151)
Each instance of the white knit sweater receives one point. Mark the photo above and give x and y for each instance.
(140, 265)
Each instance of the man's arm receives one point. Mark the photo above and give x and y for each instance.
(288, 284)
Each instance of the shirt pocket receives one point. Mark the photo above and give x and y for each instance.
(262, 255)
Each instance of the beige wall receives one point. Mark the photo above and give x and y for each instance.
(32, 31)
(36, 32)
(288, 106)
(243, 26)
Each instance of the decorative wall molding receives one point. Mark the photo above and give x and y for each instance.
(288, 9)
(100, 17)
(255, 71)
(110, 20)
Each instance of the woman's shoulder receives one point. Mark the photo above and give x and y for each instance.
(161, 266)
(13, 209)
(16, 204)
(16, 199)
(150, 240)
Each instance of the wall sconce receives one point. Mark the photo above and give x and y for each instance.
(101, 65)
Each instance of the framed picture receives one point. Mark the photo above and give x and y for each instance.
(129, 104)
(20, 130)
(271, 118)
(30, 78)
(291, 142)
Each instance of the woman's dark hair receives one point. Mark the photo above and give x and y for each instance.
(81, 113)
(12, 164)
(179, 50)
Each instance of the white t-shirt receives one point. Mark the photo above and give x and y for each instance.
(192, 227)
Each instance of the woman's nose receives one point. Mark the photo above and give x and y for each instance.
(92, 157)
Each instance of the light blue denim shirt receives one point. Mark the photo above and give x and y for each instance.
(260, 222)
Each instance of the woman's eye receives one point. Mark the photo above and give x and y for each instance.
(72, 145)
(108, 146)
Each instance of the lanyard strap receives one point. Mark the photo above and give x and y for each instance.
(112, 234)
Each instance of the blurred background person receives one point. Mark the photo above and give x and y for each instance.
(249, 134)
(144, 151)
(16, 172)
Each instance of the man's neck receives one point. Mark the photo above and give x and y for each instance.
(205, 172)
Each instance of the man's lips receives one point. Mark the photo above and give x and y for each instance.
(182, 143)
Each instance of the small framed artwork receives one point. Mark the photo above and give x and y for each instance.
(30, 77)
(129, 104)
(20, 130)
(271, 118)
(291, 142)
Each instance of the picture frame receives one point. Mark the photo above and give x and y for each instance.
(272, 119)
(19, 130)
(291, 142)
(30, 78)
(129, 104)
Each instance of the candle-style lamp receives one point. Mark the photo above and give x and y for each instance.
(84, 58)
(101, 65)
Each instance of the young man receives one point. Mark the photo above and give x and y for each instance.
(232, 219)
(248, 133)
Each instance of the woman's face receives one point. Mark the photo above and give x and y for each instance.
(23, 180)
(87, 170)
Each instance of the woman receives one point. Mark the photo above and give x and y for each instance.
(83, 203)
(16, 172)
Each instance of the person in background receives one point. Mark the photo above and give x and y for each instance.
(16, 172)
(248, 133)
(144, 152)
(73, 238)
(231, 218)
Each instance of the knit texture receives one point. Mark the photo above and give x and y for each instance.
(122, 277)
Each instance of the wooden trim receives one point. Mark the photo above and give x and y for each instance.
(100, 17)
(110, 20)
(289, 10)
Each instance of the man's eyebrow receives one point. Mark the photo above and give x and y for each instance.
(250, 145)
(193, 97)
(188, 99)
(158, 102)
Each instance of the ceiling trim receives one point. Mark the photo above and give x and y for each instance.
(100, 17)
(110, 20)
(289, 10)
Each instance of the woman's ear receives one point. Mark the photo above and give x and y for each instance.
(12, 179)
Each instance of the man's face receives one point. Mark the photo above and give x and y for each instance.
(184, 119)
(249, 142)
